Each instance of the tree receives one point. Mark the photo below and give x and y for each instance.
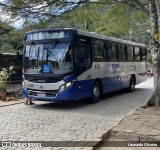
(153, 11)
(9, 42)
(4, 28)
(136, 23)
(84, 17)
(6, 48)
(51, 8)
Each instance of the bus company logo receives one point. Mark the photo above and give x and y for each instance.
(115, 66)
(41, 87)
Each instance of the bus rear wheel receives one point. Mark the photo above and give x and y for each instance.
(96, 92)
(131, 84)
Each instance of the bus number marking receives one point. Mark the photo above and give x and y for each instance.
(132, 68)
(97, 66)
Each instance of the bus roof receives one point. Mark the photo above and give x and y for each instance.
(103, 37)
(93, 35)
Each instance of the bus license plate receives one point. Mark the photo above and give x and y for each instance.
(41, 94)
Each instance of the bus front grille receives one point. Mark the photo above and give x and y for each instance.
(43, 93)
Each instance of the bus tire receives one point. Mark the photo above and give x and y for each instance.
(96, 92)
(131, 84)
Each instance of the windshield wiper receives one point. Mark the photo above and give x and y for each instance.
(52, 55)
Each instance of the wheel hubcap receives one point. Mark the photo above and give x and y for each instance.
(96, 91)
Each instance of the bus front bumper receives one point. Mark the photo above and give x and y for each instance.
(78, 90)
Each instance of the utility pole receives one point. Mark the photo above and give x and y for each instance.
(86, 26)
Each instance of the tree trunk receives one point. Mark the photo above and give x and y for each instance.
(155, 49)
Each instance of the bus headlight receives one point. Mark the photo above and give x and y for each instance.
(64, 86)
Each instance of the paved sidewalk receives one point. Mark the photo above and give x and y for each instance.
(143, 125)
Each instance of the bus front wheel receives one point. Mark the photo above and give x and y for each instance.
(96, 92)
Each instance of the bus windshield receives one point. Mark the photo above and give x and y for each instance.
(56, 58)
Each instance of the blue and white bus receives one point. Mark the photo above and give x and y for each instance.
(69, 64)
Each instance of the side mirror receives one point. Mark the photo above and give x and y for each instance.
(18, 49)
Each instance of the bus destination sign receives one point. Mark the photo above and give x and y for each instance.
(47, 35)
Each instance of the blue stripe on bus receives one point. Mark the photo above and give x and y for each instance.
(69, 78)
(114, 83)
(83, 89)
(78, 90)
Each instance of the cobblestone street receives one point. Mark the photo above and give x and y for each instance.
(71, 121)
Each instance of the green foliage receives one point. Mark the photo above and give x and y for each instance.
(4, 76)
(117, 20)
(84, 17)
(3, 79)
(7, 48)
(149, 57)
(9, 42)
(125, 22)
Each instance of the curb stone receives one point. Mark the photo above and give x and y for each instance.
(125, 136)
(9, 104)
(133, 137)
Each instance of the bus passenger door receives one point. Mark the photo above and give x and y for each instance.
(83, 69)
(82, 59)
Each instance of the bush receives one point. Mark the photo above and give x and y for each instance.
(4, 76)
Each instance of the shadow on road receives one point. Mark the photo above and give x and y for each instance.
(119, 99)
(65, 105)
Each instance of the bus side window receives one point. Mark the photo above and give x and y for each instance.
(112, 52)
(85, 54)
(108, 47)
(99, 49)
(130, 56)
(121, 52)
(82, 55)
